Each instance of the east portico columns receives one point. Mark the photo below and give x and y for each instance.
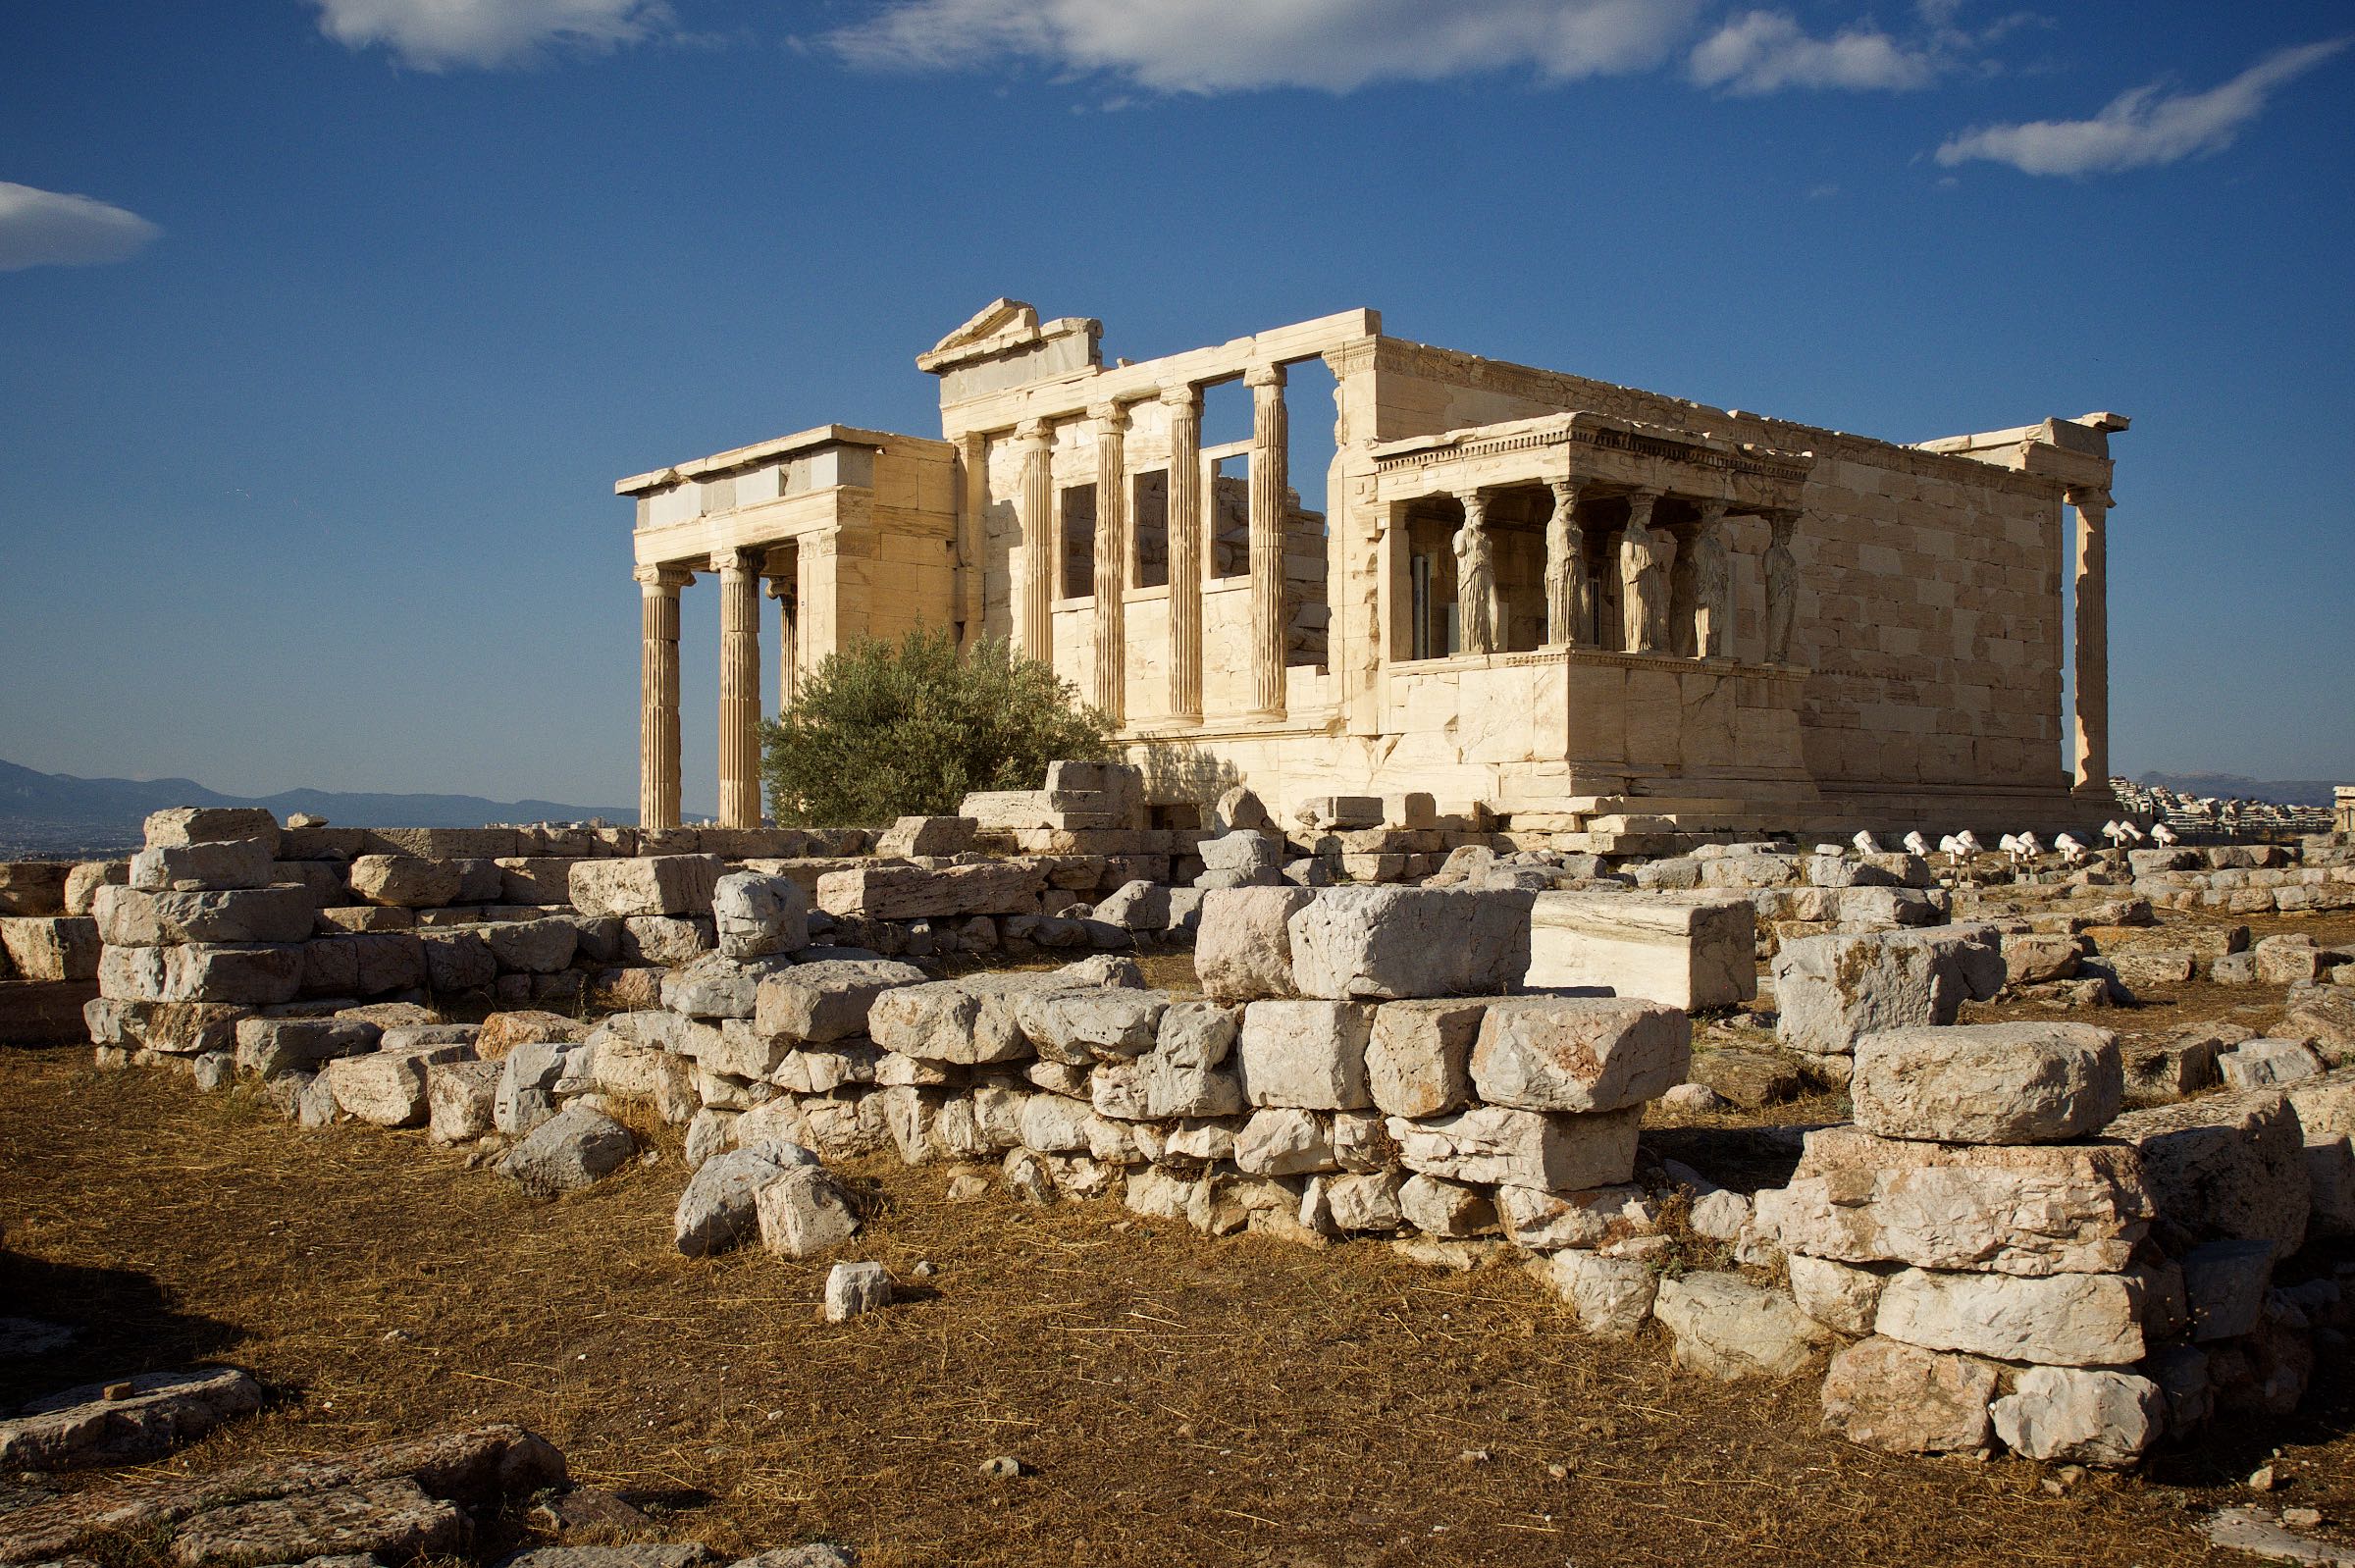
(1037, 444)
(659, 693)
(1184, 404)
(2089, 750)
(1270, 491)
(739, 687)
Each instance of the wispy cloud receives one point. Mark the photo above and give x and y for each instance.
(1768, 51)
(50, 229)
(1207, 46)
(440, 35)
(2140, 128)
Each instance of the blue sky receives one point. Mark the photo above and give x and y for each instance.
(328, 324)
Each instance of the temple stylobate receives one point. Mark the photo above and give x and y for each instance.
(1547, 595)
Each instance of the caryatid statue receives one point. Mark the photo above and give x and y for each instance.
(1569, 593)
(1712, 585)
(1646, 553)
(1475, 577)
(1782, 588)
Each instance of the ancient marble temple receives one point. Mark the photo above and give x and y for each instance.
(1586, 606)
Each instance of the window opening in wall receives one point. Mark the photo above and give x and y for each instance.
(1230, 516)
(1149, 525)
(1079, 541)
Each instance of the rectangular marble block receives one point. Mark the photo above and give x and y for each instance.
(1687, 950)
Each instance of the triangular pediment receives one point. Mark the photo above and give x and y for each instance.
(993, 320)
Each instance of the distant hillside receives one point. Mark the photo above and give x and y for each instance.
(56, 813)
(2235, 787)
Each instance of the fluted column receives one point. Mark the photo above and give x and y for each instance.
(2089, 681)
(1569, 590)
(789, 675)
(1112, 561)
(659, 695)
(1184, 404)
(1038, 542)
(739, 688)
(1270, 487)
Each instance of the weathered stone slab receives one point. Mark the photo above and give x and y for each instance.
(1498, 1144)
(2031, 1209)
(2067, 1319)
(406, 881)
(1900, 1398)
(33, 888)
(1419, 1055)
(2098, 1417)
(803, 1211)
(756, 917)
(127, 917)
(181, 825)
(1545, 1052)
(1394, 942)
(156, 1413)
(196, 868)
(1305, 1053)
(814, 1002)
(249, 976)
(460, 1098)
(1988, 1083)
(1080, 1029)
(2224, 1167)
(385, 1087)
(395, 1520)
(1687, 950)
(646, 886)
(575, 1148)
(1832, 989)
(1612, 1296)
(532, 947)
(927, 836)
(720, 1207)
(175, 1028)
(1244, 945)
(50, 948)
(1726, 1328)
(911, 892)
(1543, 1222)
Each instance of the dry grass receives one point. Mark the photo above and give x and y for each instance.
(1179, 1399)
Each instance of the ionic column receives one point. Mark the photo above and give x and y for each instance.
(659, 693)
(1184, 404)
(1112, 561)
(2090, 678)
(1037, 515)
(1269, 490)
(789, 675)
(739, 688)
(1569, 590)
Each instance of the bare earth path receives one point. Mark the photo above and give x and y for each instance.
(1180, 1400)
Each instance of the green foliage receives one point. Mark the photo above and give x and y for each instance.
(882, 731)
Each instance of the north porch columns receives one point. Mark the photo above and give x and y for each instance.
(2089, 750)
(1184, 404)
(1112, 561)
(659, 693)
(739, 687)
(1270, 489)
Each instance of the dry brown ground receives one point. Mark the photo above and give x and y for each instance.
(1179, 1399)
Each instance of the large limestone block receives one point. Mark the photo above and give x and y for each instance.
(1495, 1144)
(1393, 942)
(1832, 989)
(666, 939)
(172, 1028)
(145, 1418)
(33, 888)
(1419, 1055)
(249, 976)
(576, 1148)
(965, 1023)
(1900, 1398)
(387, 1087)
(51, 947)
(197, 867)
(181, 825)
(1080, 1029)
(1612, 1296)
(1543, 1222)
(1687, 950)
(1547, 1053)
(532, 947)
(83, 883)
(717, 986)
(812, 1004)
(1842, 1296)
(1280, 1141)
(1241, 859)
(646, 886)
(1988, 1083)
(2224, 1167)
(1310, 1055)
(1244, 945)
(461, 1099)
(803, 1211)
(889, 892)
(720, 1207)
(268, 1047)
(927, 835)
(131, 918)
(758, 916)
(2031, 1209)
(2065, 1320)
(1726, 1328)
(407, 881)
(2084, 1416)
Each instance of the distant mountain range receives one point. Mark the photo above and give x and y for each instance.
(2235, 787)
(56, 813)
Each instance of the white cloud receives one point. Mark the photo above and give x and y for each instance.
(2139, 129)
(437, 34)
(1207, 46)
(50, 229)
(1766, 51)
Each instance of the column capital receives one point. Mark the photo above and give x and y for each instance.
(2087, 498)
(662, 579)
(1185, 395)
(1475, 506)
(1712, 511)
(1639, 504)
(1034, 431)
(1568, 488)
(1110, 417)
(736, 560)
(1264, 376)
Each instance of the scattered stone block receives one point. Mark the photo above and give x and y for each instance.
(131, 1422)
(573, 1149)
(1581, 1054)
(803, 1212)
(2224, 1167)
(2264, 1064)
(646, 886)
(856, 1289)
(385, 1087)
(1900, 1398)
(720, 1207)
(1243, 946)
(266, 1047)
(1309, 1054)
(503, 1032)
(1612, 1296)
(1988, 1083)
(2088, 1417)
(1842, 1296)
(1357, 943)
(1686, 950)
(460, 1098)
(2066, 1320)
(1832, 989)
(1491, 1145)
(1726, 1328)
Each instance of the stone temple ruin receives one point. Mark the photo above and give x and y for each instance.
(1579, 606)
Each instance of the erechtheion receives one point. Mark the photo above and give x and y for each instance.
(1588, 608)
